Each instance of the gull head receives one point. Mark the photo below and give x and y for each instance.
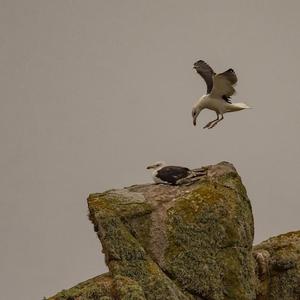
(195, 112)
(156, 166)
(200, 104)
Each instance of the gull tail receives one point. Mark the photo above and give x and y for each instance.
(237, 106)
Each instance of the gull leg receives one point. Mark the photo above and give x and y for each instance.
(216, 122)
(211, 122)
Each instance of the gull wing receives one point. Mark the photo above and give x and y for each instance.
(223, 84)
(206, 72)
(172, 173)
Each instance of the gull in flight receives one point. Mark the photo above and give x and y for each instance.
(219, 90)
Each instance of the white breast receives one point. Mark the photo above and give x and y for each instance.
(216, 104)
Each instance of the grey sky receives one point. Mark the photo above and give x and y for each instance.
(93, 91)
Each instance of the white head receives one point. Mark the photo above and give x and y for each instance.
(196, 110)
(156, 166)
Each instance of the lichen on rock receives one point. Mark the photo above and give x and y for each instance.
(278, 267)
(210, 233)
(190, 241)
(180, 242)
(100, 287)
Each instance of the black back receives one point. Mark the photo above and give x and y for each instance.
(172, 173)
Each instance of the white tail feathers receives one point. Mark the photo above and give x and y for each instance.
(237, 106)
(242, 105)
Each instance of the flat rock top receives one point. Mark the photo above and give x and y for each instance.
(163, 192)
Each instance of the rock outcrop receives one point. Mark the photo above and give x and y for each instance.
(278, 267)
(192, 241)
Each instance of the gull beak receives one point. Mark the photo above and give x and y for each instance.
(149, 167)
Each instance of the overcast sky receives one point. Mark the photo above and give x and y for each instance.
(93, 91)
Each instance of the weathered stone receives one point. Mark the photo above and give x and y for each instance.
(198, 235)
(278, 267)
(192, 241)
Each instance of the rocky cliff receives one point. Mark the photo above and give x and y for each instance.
(192, 241)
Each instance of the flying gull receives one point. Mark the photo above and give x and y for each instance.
(174, 175)
(219, 90)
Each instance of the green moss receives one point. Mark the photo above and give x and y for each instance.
(146, 273)
(237, 267)
(111, 204)
(124, 254)
(92, 289)
(282, 271)
(140, 228)
(204, 228)
(193, 204)
(154, 283)
(200, 235)
(117, 241)
(128, 289)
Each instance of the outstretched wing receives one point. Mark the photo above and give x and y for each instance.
(206, 72)
(172, 173)
(223, 84)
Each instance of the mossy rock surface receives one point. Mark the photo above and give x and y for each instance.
(278, 267)
(191, 241)
(100, 287)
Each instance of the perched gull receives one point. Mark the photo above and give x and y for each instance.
(174, 175)
(219, 90)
